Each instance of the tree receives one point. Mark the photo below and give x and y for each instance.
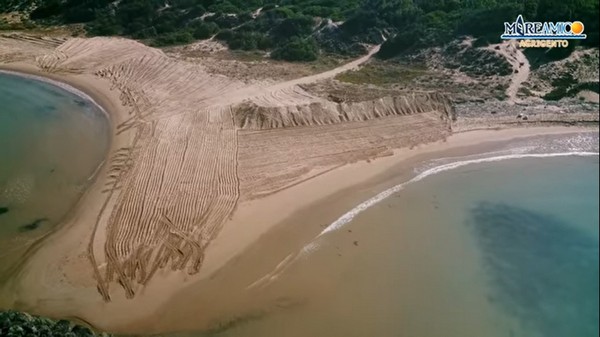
(181, 37)
(297, 49)
(295, 26)
(105, 24)
(204, 30)
(47, 9)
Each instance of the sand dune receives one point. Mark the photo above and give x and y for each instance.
(201, 143)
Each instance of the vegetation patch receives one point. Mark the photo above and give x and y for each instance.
(382, 73)
(18, 324)
(298, 30)
(566, 86)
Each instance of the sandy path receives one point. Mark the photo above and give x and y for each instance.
(521, 68)
(330, 73)
(256, 91)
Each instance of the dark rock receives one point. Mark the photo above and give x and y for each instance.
(335, 99)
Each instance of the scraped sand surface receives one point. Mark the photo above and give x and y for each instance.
(200, 167)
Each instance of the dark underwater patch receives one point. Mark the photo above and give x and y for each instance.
(32, 226)
(80, 102)
(543, 271)
(3, 210)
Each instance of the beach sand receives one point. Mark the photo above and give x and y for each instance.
(57, 279)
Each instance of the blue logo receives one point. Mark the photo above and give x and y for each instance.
(521, 29)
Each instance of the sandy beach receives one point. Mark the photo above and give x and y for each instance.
(192, 232)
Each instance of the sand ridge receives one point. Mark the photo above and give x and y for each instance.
(194, 149)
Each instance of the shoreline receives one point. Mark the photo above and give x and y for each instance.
(295, 226)
(55, 283)
(58, 83)
(90, 94)
(373, 177)
(71, 235)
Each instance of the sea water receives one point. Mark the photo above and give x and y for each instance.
(51, 143)
(499, 244)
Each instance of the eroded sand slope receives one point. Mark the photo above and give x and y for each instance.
(204, 143)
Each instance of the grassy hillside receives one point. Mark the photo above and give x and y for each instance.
(298, 30)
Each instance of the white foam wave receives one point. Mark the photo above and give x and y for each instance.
(314, 245)
(344, 219)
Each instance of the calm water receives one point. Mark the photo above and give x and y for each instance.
(507, 248)
(51, 143)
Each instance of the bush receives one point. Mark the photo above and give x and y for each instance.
(401, 43)
(224, 20)
(245, 40)
(204, 30)
(225, 35)
(47, 9)
(18, 324)
(296, 26)
(297, 49)
(224, 7)
(556, 94)
(173, 39)
(489, 21)
(105, 24)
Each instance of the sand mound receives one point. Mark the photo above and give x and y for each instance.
(305, 110)
(23, 47)
(78, 55)
(202, 142)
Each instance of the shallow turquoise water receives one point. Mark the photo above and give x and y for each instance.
(508, 248)
(51, 143)
(535, 225)
(538, 234)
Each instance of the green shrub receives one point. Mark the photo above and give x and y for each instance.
(16, 324)
(296, 26)
(297, 49)
(204, 30)
(225, 35)
(173, 39)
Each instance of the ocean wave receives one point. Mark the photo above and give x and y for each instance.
(348, 216)
(313, 245)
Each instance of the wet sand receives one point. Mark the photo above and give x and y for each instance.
(57, 280)
(409, 265)
(234, 292)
